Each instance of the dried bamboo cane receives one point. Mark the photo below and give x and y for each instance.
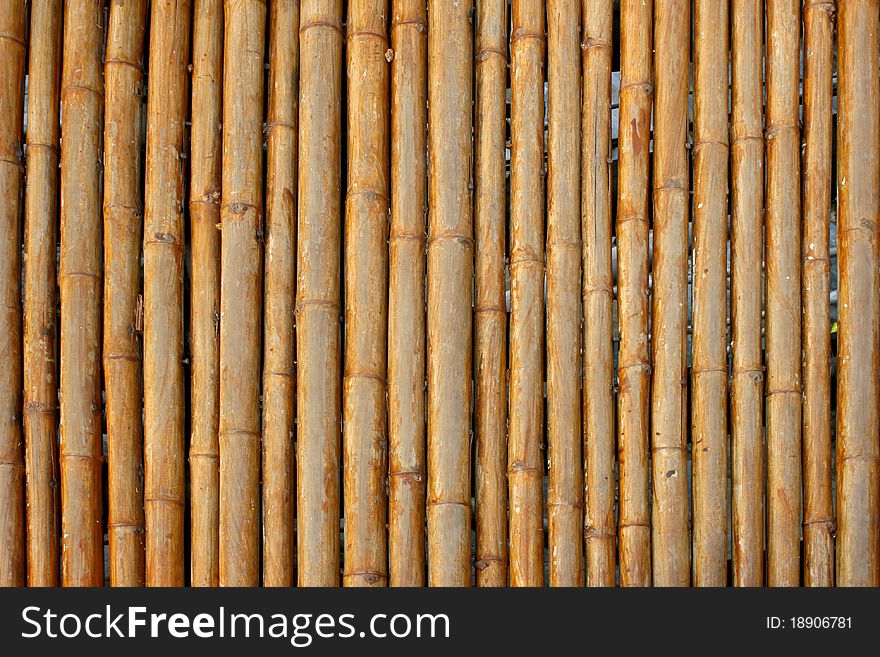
(240, 293)
(633, 299)
(783, 394)
(82, 98)
(671, 544)
(525, 459)
(278, 344)
(818, 505)
(366, 300)
(204, 212)
(709, 371)
(599, 438)
(746, 249)
(13, 53)
(406, 294)
(450, 280)
(858, 449)
(317, 295)
(40, 320)
(123, 216)
(490, 313)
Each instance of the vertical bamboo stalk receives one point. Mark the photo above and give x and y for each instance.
(450, 279)
(40, 321)
(858, 449)
(490, 313)
(671, 544)
(278, 343)
(317, 294)
(406, 294)
(746, 249)
(599, 530)
(633, 300)
(783, 394)
(123, 78)
(204, 213)
(240, 293)
(818, 505)
(525, 460)
(79, 278)
(13, 53)
(709, 371)
(366, 300)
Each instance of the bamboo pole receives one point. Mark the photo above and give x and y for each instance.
(783, 345)
(818, 506)
(450, 279)
(13, 53)
(599, 530)
(40, 320)
(79, 278)
(525, 461)
(366, 300)
(633, 298)
(709, 371)
(490, 312)
(123, 78)
(204, 212)
(278, 343)
(240, 293)
(671, 544)
(317, 295)
(858, 450)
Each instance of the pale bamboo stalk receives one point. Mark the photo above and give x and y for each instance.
(278, 342)
(858, 170)
(40, 319)
(783, 343)
(80, 282)
(13, 54)
(818, 505)
(746, 249)
(599, 439)
(450, 280)
(123, 216)
(490, 311)
(204, 213)
(709, 369)
(525, 459)
(317, 295)
(671, 543)
(241, 293)
(633, 299)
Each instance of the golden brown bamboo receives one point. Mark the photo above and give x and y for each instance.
(366, 299)
(490, 311)
(599, 439)
(525, 459)
(317, 294)
(79, 278)
(123, 78)
(240, 293)
(818, 506)
(671, 544)
(746, 250)
(40, 320)
(783, 290)
(13, 53)
(204, 212)
(278, 342)
(709, 368)
(858, 170)
(633, 299)
(450, 280)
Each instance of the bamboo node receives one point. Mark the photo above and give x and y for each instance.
(484, 562)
